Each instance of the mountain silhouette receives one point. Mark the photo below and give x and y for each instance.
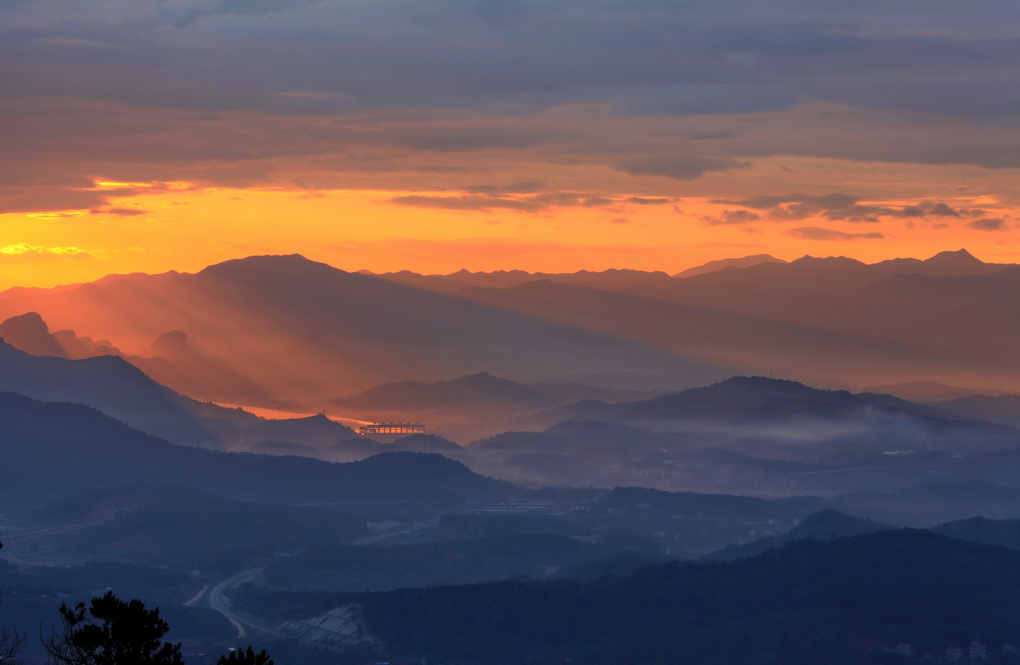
(744, 399)
(934, 503)
(119, 389)
(1002, 409)
(54, 449)
(295, 330)
(827, 524)
(30, 333)
(722, 264)
(848, 600)
(249, 312)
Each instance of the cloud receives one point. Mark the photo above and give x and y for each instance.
(55, 198)
(942, 210)
(838, 207)
(733, 217)
(817, 233)
(528, 187)
(642, 201)
(523, 204)
(679, 167)
(801, 206)
(24, 251)
(989, 224)
(255, 92)
(122, 212)
(465, 202)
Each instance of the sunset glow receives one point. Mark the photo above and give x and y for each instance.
(435, 137)
(186, 227)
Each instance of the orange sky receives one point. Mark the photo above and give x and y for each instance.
(186, 227)
(435, 136)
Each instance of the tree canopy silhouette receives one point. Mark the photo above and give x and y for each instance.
(245, 657)
(110, 631)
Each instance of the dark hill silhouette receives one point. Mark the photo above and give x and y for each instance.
(833, 274)
(171, 345)
(743, 325)
(55, 449)
(765, 418)
(761, 399)
(297, 329)
(808, 602)
(722, 264)
(930, 504)
(1002, 409)
(747, 399)
(855, 320)
(249, 312)
(611, 280)
(827, 524)
(111, 385)
(119, 389)
(30, 333)
(983, 530)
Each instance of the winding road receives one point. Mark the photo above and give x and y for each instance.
(217, 600)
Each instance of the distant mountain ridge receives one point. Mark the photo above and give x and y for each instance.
(54, 449)
(849, 600)
(119, 389)
(723, 264)
(366, 330)
(745, 399)
(297, 332)
(827, 524)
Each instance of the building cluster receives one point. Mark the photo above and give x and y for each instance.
(975, 653)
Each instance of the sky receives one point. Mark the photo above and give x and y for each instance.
(439, 135)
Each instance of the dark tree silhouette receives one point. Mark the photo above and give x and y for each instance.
(245, 657)
(112, 632)
(10, 642)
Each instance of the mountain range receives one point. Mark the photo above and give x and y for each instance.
(119, 389)
(283, 331)
(584, 431)
(847, 600)
(54, 450)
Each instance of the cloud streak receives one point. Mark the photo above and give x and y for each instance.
(818, 233)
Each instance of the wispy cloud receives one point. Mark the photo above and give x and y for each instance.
(818, 233)
(25, 251)
(989, 224)
(494, 202)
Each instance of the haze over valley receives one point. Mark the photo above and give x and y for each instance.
(597, 431)
(509, 332)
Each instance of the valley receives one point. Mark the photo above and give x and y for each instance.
(278, 524)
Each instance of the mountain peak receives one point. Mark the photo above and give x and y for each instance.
(722, 264)
(960, 257)
(29, 333)
(276, 263)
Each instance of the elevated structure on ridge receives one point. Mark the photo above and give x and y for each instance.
(391, 428)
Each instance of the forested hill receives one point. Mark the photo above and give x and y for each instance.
(845, 601)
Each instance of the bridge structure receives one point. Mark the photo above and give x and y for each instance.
(391, 428)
